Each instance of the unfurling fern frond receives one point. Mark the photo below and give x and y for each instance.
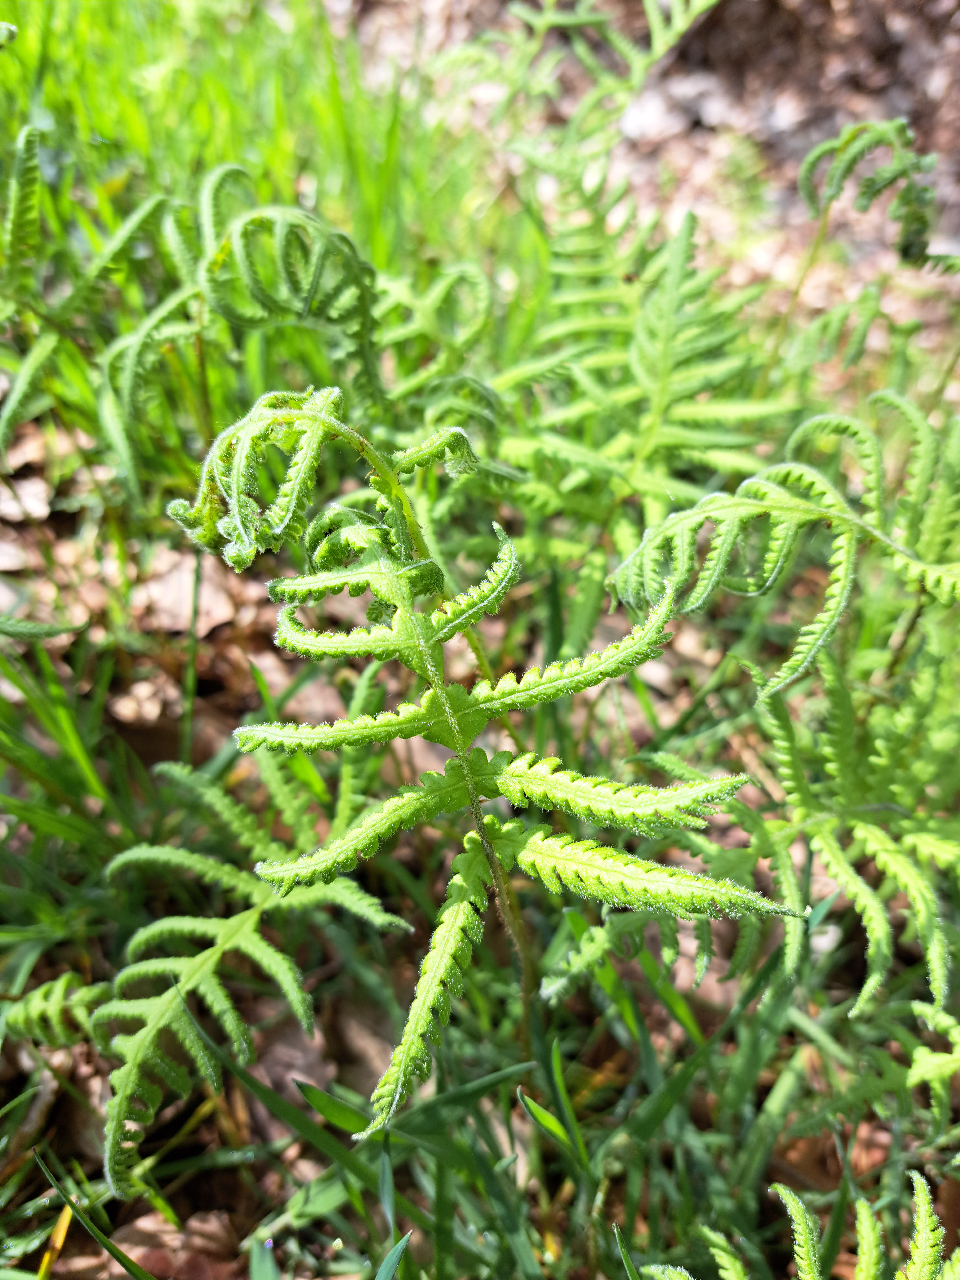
(913, 206)
(386, 554)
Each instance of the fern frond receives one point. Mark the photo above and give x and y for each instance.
(147, 1070)
(449, 445)
(348, 896)
(475, 710)
(794, 928)
(926, 1244)
(406, 722)
(225, 510)
(870, 1257)
(871, 909)
(211, 203)
(595, 871)
(562, 679)
(460, 929)
(387, 581)
(839, 743)
(117, 244)
(895, 864)
(58, 1012)
(868, 451)
(728, 1262)
(816, 634)
(16, 398)
(239, 821)
(922, 464)
(208, 870)
(649, 811)
(620, 931)
(292, 802)
(806, 1234)
(21, 231)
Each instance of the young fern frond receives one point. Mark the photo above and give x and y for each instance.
(926, 1244)
(914, 203)
(387, 554)
(869, 1244)
(779, 504)
(648, 380)
(147, 1070)
(620, 931)
(239, 821)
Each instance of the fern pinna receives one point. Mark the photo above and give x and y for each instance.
(382, 550)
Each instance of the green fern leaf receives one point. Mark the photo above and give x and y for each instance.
(21, 231)
(593, 871)
(459, 930)
(464, 610)
(806, 1234)
(438, 793)
(648, 811)
(57, 1013)
(236, 818)
(926, 1245)
(728, 1262)
(870, 907)
(869, 1245)
(138, 1085)
(893, 863)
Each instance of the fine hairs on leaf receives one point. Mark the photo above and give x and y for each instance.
(386, 554)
